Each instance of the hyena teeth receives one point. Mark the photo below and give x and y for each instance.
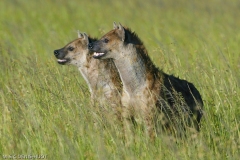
(61, 60)
(98, 54)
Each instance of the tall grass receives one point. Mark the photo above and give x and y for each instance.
(45, 107)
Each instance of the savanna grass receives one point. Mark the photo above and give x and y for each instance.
(45, 107)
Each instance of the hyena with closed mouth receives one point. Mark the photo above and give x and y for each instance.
(101, 76)
(146, 89)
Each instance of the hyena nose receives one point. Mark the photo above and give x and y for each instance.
(90, 46)
(56, 53)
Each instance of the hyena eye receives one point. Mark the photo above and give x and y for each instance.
(70, 48)
(106, 40)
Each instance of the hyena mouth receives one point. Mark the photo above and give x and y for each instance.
(98, 55)
(62, 61)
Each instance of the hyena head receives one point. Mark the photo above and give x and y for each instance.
(110, 44)
(75, 52)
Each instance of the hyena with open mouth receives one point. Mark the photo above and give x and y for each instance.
(101, 76)
(148, 91)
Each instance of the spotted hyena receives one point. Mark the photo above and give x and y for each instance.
(146, 89)
(101, 76)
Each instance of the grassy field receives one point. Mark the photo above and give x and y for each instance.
(45, 107)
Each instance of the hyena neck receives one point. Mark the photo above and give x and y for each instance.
(134, 65)
(132, 69)
(89, 72)
(97, 74)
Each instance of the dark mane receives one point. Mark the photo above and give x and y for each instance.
(132, 37)
(90, 53)
(92, 39)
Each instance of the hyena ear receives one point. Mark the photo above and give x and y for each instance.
(115, 25)
(85, 37)
(121, 32)
(80, 35)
